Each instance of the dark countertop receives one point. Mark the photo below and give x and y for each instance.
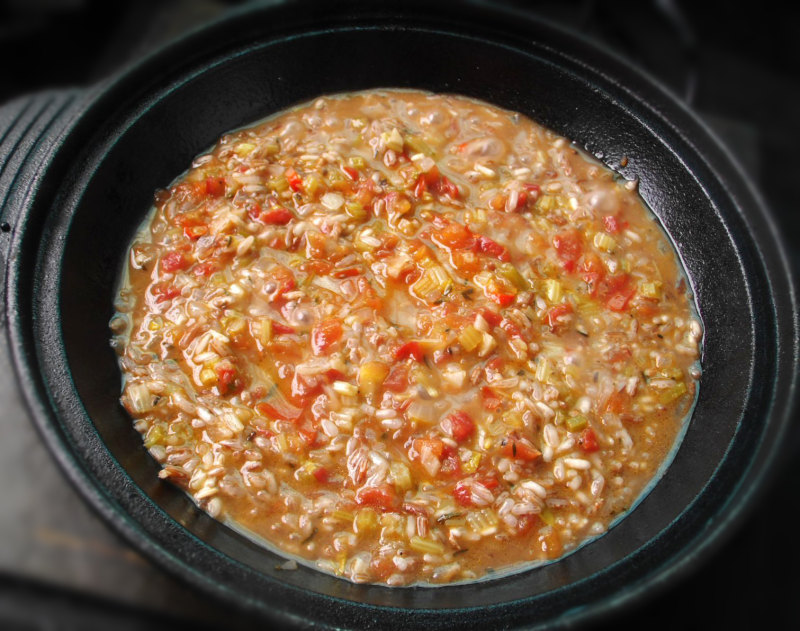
(62, 568)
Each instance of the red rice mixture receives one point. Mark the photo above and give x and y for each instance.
(406, 337)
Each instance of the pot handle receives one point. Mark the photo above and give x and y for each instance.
(29, 128)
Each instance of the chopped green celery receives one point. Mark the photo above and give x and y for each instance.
(546, 203)
(471, 465)
(244, 149)
(401, 476)
(650, 290)
(576, 423)
(433, 284)
(671, 394)
(342, 515)
(155, 435)
(484, 521)
(511, 273)
(270, 147)
(543, 369)
(425, 546)
(470, 338)
(434, 140)
(513, 418)
(140, 397)
(357, 162)
(548, 517)
(553, 290)
(279, 183)
(393, 140)
(604, 242)
(366, 520)
(313, 184)
(336, 177)
(418, 145)
(355, 210)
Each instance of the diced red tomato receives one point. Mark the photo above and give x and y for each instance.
(619, 301)
(397, 203)
(365, 192)
(492, 317)
(526, 523)
(519, 449)
(489, 482)
(614, 224)
(437, 183)
(618, 402)
(195, 232)
(284, 279)
(501, 298)
(529, 195)
(164, 292)
(458, 425)
(294, 180)
(281, 329)
(463, 493)
(383, 566)
(492, 248)
(554, 318)
(190, 218)
(414, 509)
(619, 355)
(617, 291)
(410, 349)
(466, 262)
(254, 211)
(305, 387)
(589, 440)
(174, 261)
(446, 187)
(277, 215)
(316, 245)
(226, 373)
(325, 335)
(490, 400)
(351, 172)
(495, 365)
(321, 474)
(278, 407)
(420, 187)
(397, 380)
(321, 268)
(347, 273)
(215, 186)
(611, 224)
(455, 236)
(308, 434)
(569, 247)
(434, 445)
(511, 328)
(592, 272)
(383, 496)
(451, 465)
(205, 269)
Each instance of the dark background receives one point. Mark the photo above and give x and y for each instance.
(737, 66)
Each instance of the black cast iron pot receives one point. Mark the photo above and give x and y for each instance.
(78, 173)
